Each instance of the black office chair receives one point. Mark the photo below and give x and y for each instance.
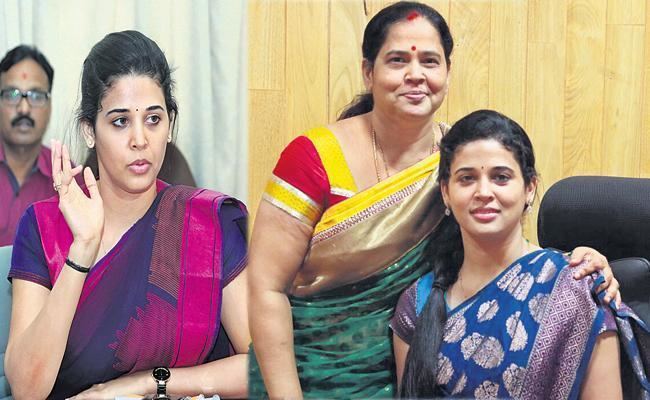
(612, 215)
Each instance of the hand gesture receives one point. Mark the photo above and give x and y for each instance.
(84, 215)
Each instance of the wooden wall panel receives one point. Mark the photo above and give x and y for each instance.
(545, 18)
(623, 100)
(470, 25)
(644, 168)
(584, 86)
(372, 7)
(270, 137)
(307, 70)
(575, 73)
(347, 21)
(544, 95)
(507, 66)
(626, 12)
(268, 34)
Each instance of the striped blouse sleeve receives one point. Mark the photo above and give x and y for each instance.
(299, 184)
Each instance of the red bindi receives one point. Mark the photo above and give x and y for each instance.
(413, 48)
(24, 75)
(412, 15)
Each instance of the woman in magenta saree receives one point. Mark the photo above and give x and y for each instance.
(128, 286)
(155, 298)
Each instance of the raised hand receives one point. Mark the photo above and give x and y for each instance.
(83, 214)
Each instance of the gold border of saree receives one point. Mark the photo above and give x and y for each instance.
(369, 231)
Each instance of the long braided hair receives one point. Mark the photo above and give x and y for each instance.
(446, 246)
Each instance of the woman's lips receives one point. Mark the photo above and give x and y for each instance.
(415, 96)
(140, 167)
(485, 214)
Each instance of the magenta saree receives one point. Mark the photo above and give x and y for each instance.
(155, 298)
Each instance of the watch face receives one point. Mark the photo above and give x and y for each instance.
(161, 374)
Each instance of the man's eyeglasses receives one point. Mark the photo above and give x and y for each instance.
(35, 98)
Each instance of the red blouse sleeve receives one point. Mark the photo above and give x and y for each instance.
(299, 185)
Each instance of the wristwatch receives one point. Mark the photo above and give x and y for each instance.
(161, 375)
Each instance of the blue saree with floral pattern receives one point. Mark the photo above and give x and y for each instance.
(528, 334)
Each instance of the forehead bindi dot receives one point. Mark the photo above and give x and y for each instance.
(136, 109)
(413, 48)
(412, 15)
(24, 75)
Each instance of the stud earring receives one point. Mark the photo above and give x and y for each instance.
(447, 211)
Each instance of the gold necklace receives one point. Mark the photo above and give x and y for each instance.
(374, 155)
(377, 147)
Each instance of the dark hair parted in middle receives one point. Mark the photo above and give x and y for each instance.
(446, 249)
(375, 35)
(120, 54)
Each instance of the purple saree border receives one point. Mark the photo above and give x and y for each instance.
(561, 344)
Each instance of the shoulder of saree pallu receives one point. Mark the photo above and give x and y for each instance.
(55, 234)
(377, 199)
(198, 197)
(567, 317)
(334, 162)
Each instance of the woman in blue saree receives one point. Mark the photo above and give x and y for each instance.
(499, 317)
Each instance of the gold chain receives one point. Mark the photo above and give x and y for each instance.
(377, 147)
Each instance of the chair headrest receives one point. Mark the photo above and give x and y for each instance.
(610, 214)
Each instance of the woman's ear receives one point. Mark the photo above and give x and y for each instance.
(88, 133)
(448, 80)
(444, 189)
(366, 69)
(172, 122)
(531, 190)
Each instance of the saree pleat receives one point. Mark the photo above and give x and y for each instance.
(342, 338)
